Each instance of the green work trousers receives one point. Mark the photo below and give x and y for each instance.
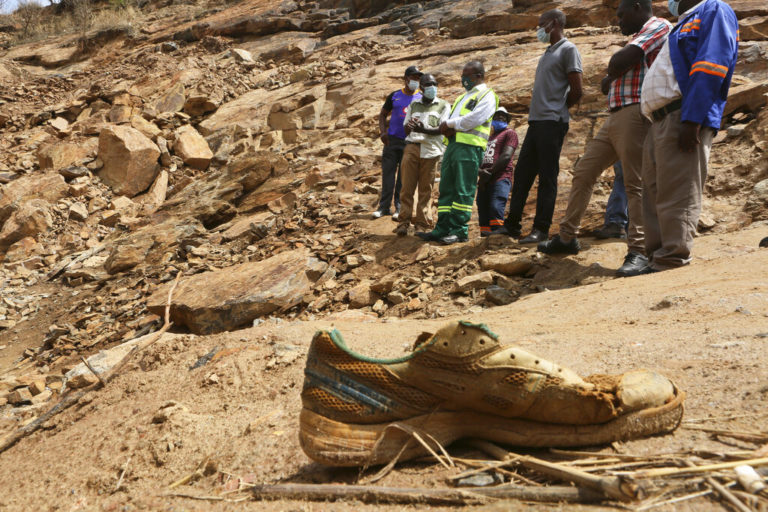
(458, 184)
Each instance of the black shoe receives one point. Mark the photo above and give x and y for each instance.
(764, 242)
(484, 234)
(506, 231)
(611, 230)
(635, 264)
(534, 237)
(452, 239)
(428, 236)
(557, 246)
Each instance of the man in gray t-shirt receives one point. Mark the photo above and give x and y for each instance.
(557, 88)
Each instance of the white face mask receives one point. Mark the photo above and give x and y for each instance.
(674, 7)
(543, 36)
(413, 85)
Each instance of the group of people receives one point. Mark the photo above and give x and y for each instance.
(666, 92)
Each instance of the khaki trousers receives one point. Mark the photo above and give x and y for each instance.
(417, 172)
(673, 182)
(620, 138)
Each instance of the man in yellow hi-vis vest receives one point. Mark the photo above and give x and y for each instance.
(467, 129)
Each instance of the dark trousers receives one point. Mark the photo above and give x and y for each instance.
(390, 173)
(491, 203)
(539, 156)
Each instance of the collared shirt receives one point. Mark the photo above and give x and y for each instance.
(660, 86)
(397, 102)
(551, 86)
(478, 116)
(626, 89)
(431, 115)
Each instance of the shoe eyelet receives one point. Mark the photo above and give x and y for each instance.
(511, 356)
(482, 342)
(536, 362)
(463, 333)
(445, 343)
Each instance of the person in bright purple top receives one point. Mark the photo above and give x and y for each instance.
(393, 137)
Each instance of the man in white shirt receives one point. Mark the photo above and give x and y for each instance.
(467, 129)
(423, 149)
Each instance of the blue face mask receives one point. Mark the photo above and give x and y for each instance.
(543, 36)
(674, 7)
(467, 83)
(430, 92)
(499, 126)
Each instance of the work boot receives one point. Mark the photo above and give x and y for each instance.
(556, 246)
(611, 230)
(535, 236)
(461, 382)
(379, 213)
(634, 263)
(402, 229)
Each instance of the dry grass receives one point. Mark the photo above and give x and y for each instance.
(38, 23)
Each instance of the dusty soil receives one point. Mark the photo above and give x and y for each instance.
(705, 326)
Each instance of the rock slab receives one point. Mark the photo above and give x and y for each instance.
(192, 148)
(227, 299)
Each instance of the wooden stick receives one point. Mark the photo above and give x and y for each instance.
(94, 372)
(122, 474)
(406, 496)
(653, 473)
(722, 491)
(618, 488)
(72, 398)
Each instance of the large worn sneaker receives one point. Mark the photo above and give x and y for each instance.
(461, 382)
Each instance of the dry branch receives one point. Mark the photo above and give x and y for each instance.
(652, 473)
(406, 496)
(618, 488)
(722, 491)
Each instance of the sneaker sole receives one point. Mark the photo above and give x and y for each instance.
(334, 443)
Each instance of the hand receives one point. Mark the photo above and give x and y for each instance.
(605, 85)
(446, 131)
(385, 139)
(413, 125)
(483, 178)
(689, 137)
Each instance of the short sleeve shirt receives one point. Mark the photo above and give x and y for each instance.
(551, 87)
(397, 103)
(496, 146)
(627, 89)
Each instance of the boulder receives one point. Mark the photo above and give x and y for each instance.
(148, 128)
(227, 299)
(78, 211)
(62, 154)
(130, 160)
(753, 28)
(31, 218)
(498, 295)
(506, 264)
(473, 282)
(749, 96)
(173, 100)
(241, 55)
(192, 147)
(48, 187)
(362, 296)
(200, 104)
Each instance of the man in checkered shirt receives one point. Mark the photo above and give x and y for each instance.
(621, 136)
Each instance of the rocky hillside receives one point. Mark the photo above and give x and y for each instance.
(237, 144)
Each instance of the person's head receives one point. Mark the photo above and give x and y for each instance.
(500, 120)
(411, 78)
(473, 74)
(633, 14)
(428, 86)
(551, 26)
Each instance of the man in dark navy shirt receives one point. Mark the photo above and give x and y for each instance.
(393, 138)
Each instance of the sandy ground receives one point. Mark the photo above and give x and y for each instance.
(705, 326)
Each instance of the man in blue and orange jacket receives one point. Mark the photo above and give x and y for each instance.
(684, 95)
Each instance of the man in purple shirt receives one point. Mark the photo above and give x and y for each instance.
(393, 138)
